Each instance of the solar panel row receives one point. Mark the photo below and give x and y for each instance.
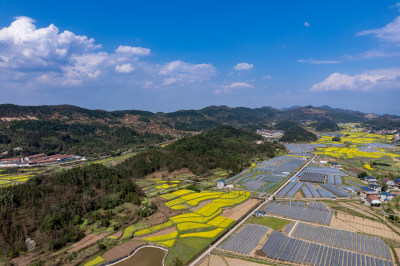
(245, 241)
(313, 190)
(312, 177)
(343, 239)
(335, 190)
(281, 247)
(315, 212)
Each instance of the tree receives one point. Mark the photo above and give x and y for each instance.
(362, 175)
(336, 138)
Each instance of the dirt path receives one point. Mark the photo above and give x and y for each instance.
(122, 250)
(354, 223)
(86, 241)
(240, 210)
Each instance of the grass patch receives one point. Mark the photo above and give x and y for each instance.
(186, 248)
(271, 222)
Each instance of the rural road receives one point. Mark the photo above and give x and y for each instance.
(227, 234)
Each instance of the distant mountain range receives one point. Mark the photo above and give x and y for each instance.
(189, 120)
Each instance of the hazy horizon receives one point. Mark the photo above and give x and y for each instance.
(179, 55)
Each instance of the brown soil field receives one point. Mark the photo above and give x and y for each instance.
(165, 174)
(162, 214)
(213, 260)
(118, 234)
(160, 233)
(240, 210)
(86, 241)
(237, 262)
(359, 209)
(298, 195)
(364, 225)
(122, 250)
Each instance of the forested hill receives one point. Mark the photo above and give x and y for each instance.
(185, 120)
(71, 129)
(50, 209)
(298, 134)
(224, 147)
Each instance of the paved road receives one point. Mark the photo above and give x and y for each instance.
(233, 229)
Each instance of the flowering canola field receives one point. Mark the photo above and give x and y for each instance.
(205, 222)
(356, 140)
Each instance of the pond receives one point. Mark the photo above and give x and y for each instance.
(146, 256)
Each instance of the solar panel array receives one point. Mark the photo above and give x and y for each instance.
(353, 188)
(324, 193)
(306, 192)
(313, 191)
(371, 245)
(335, 190)
(315, 212)
(281, 247)
(286, 189)
(274, 170)
(294, 190)
(254, 184)
(353, 183)
(268, 186)
(289, 228)
(312, 177)
(246, 240)
(325, 170)
(302, 149)
(331, 180)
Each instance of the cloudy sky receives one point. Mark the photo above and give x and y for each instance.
(170, 55)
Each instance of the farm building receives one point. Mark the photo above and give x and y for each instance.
(390, 184)
(259, 213)
(367, 190)
(373, 200)
(375, 187)
(370, 179)
(221, 184)
(386, 196)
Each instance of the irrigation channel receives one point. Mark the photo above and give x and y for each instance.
(228, 233)
(144, 256)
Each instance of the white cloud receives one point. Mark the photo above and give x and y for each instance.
(235, 85)
(389, 33)
(306, 24)
(25, 47)
(243, 66)
(267, 77)
(317, 62)
(138, 51)
(125, 68)
(181, 72)
(36, 57)
(370, 80)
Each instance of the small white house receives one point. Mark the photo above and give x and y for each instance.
(386, 196)
(390, 184)
(221, 184)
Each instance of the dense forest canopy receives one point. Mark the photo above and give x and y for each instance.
(224, 147)
(49, 209)
(298, 134)
(325, 126)
(55, 136)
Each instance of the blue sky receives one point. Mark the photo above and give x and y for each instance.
(171, 55)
